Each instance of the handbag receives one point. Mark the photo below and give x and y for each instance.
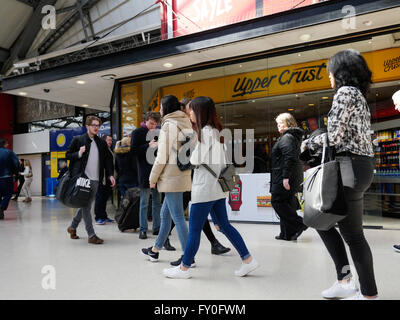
(324, 203)
(227, 178)
(74, 192)
(183, 158)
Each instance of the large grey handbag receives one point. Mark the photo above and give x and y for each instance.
(324, 203)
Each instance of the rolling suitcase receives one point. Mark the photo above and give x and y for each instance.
(127, 215)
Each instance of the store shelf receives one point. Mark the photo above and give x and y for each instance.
(388, 140)
(387, 152)
(382, 194)
(378, 179)
(387, 165)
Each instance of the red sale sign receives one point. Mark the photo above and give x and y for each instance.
(199, 15)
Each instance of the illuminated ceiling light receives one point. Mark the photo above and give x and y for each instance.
(311, 104)
(299, 55)
(189, 74)
(85, 105)
(370, 41)
(168, 65)
(80, 82)
(253, 100)
(305, 37)
(290, 109)
(324, 98)
(22, 93)
(240, 66)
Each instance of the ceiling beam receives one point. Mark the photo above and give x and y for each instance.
(21, 46)
(31, 3)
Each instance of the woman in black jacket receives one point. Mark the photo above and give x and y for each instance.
(286, 177)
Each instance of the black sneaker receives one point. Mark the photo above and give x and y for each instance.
(179, 261)
(153, 256)
(396, 247)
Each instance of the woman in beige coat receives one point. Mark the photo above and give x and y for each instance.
(166, 175)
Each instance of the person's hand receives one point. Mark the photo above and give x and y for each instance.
(152, 185)
(153, 144)
(112, 180)
(286, 184)
(82, 150)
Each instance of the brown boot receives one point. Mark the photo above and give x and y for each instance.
(95, 240)
(29, 200)
(72, 232)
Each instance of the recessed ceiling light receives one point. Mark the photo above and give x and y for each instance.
(324, 98)
(370, 41)
(305, 37)
(168, 65)
(85, 105)
(80, 82)
(253, 100)
(22, 93)
(299, 55)
(240, 66)
(189, 74)
(311, 104)
(290, 109)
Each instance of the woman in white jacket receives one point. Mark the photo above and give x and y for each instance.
(26, 188)
(207, 194)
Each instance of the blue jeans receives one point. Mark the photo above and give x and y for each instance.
(172, 207)
(197, 218)
(156, 207)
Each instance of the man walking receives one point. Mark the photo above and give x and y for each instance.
(8, 167)
(89, 155)
(104, 192)
(20, 178)
(139, 146)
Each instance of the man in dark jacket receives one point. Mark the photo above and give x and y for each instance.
(89, 156)
(139, 146)
(286, 177)
(8, 167)
(20, 178)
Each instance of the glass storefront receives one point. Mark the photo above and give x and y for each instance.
(251, 94)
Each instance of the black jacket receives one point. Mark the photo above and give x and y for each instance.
(124, 165)
(285, 162)
(77, 165)
(139, 146)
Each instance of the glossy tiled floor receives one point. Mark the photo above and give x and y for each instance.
(34, 235)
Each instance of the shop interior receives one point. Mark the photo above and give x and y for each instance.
(382, 201)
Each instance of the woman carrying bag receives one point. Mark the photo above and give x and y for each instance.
(349, 125)
(167, 177)
(207, 193)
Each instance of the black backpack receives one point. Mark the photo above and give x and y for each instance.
(127, 215)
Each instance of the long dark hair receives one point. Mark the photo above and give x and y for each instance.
(349, 68)
(206, 115)
(170, 104)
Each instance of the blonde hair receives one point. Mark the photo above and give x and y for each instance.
(288, 119)
(27, 163)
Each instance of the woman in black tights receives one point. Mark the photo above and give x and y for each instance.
(349, 125)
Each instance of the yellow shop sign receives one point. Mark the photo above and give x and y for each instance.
(304, 77)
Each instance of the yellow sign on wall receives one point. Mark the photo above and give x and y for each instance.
(304, 77)
(131, 107)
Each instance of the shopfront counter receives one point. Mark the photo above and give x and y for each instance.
(251, 201)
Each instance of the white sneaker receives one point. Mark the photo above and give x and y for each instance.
(246, 268)
(177, 273)
(359, 296)
(340, 290)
